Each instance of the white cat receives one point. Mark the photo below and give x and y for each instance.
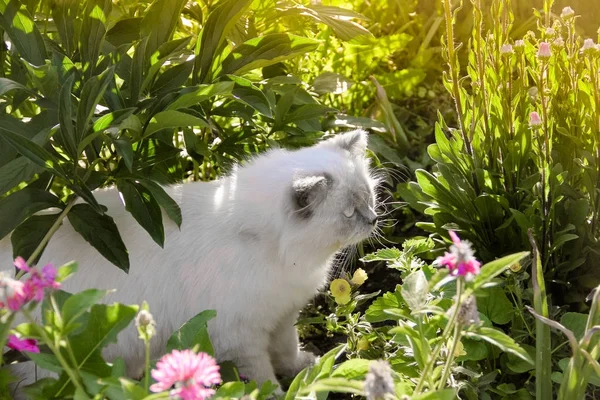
(255, 246)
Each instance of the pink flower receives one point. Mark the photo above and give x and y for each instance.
(192, 374)
(544, 50)
(460, 260)
(22, 344)
(13, 294)
(38, 280)
(567, 12)
(534, 120)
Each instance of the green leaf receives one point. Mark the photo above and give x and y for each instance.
(193, 332)
(496, 306)
(160, 57)
(231, 389)
(112, 119)
(201, 93)
(6, 85)
(131, 390)
(33, 152)
(19, 170)
(415, 289)
(18, 23)
(65, 271)
(159, 23)
(18, 206)
(173, 119)
(101, 232)
(391, 254)
(125, 150)
(385, 308)
(338, 385)
(164, 200)
(500, 340)
(79, 303)
(91, 94)
(28, 236)
(64, 14)
(218, 25)
(352, 369)
(66, 131)
(443, 394)
(494, 268)
(93, 30)
(144, 208)
(575, 322)
(46, 361)
(307, 111)
(253, 97)
(265, 50)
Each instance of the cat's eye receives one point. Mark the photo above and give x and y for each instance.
(349, 212)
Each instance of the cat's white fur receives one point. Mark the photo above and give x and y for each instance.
(255, 246)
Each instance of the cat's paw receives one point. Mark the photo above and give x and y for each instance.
(292, 367)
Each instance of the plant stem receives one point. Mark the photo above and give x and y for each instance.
(48, 235)
(449, 328)
(56, 351)
(450, 357)
(147, 366)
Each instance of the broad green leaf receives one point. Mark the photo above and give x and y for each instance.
(307, 111)
(18, 23)
(93, 30)
(125, 150)
(220, 22)
(91, 94)
(193, 332)
(144, 208)
(173, 119)
(46, 361)
(201, 93)
(500, 340)
(391, 254)
(494, 268)
(352, 369)
(160, 57)
(20, 205)
(575, 322)
(415, 289)
(101, 232)
(67, 131)
(245, 92)
(112, 119)
(16, 171)
(131, 390)
(28, 235)
(231, 389)
(379, 310)
(495, 305)
(65, 271)
(265, 50)
(330, 82)
(164, 200)
(159, 23)
(79, 303)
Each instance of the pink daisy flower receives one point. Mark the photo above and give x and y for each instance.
(192, 375)
(460, 260)
(29, 345)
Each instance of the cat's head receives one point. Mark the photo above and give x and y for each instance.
(335, 199)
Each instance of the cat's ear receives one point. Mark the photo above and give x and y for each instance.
(355, 142)
(307, 192)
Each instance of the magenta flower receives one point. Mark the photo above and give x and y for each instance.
(192, 375)
(29, 345)
(544, 50)
(534, 120)
(13, 294)
(460, 260)
(38, 280)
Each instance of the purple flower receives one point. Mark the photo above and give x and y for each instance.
(38, 280)
(460, 260)
(534, 120)
(29, 345)
(192, 374)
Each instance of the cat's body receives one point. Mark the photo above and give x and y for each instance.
(254, 246)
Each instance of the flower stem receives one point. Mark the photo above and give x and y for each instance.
(48, 235)
(147, 366)
(71, 374)
(449, 328)
(450, 357)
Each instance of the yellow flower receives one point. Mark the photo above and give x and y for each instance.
(359, 277)
(363, 344)
(340, 290)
